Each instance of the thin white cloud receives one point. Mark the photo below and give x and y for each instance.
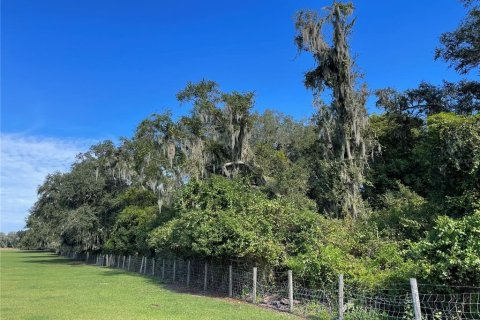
(25, 162)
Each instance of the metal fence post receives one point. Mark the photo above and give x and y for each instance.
(123, 263)
(340, 297)
(416, 299)
(290, 290)
(254, 295)
(153, 266)
(145, 267)
(129, 260)
(205, 278)
(230, 281)
(188, 273)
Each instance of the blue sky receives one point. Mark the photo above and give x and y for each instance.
(75, 72)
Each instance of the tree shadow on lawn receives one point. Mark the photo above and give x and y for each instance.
(42, 258)
(176, 288)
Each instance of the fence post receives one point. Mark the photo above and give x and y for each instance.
(141, 264)
(163, 268)
(254, 295)
(145, 267)
(340, 297)
(86, 260)
(118, 261)
(129, 260)
(188, 273)
(123, 263)
(416, 299)
(230, 281)
(290, 290)
(153, 266)
(205, 278)
(174, 267)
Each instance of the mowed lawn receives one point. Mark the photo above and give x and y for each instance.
(39, 285)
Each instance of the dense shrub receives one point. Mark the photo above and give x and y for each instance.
(450, 253)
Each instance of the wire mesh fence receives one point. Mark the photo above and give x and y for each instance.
(273, 289)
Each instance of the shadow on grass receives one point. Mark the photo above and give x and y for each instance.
(47, 257)
(111, 272)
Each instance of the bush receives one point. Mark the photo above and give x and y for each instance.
(450, 253)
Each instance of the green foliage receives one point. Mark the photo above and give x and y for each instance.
(11, 239)
(130, 232)
(427, 99)
(362, 314)
(352, 248)
(225, 219)
(462, 47)
(404, 214)
(397, 134)
(282, 153)
(449, 155)
(138, 215)
(450, 253)
(75, 209)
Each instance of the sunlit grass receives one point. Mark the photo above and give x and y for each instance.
(39, 285)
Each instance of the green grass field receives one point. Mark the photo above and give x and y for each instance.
(39, 285)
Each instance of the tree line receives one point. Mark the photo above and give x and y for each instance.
(379, 198)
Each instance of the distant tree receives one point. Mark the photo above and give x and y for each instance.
(10, 240)
(461, 48)
(462, 98)
(282, 148)
(344, 144)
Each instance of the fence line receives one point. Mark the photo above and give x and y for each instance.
(281, 291)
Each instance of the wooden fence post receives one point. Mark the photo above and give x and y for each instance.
(290, 290)
(205, 278)
(188, 273)
(230, 281)
(163, 268)
(254, 295)
(340, 297)
(416, 299)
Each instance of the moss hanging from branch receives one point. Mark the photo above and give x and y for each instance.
(342, 126)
